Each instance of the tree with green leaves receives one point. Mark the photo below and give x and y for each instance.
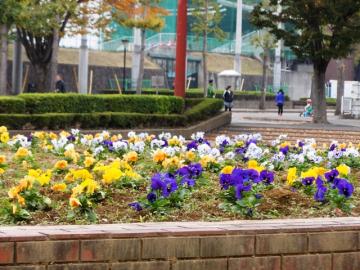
(144, 15)
(9, 10)
(318, 30)
(207, 18)
(266, 42)
(42, 24)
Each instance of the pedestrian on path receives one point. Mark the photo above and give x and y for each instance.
(280, 100)
(211, 90)
(228, 98)
(60, 84)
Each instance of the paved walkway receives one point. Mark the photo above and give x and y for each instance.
(290, 118)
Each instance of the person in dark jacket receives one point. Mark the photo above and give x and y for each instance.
(228, 98)
(60, 85)
(280, 100)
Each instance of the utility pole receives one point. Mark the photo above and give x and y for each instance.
(181, 36)
(83, 65)
(238, 36)
(17, 67)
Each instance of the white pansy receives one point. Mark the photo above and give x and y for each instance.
(120, 145)
(20, 140)
(278, 158)
(98, 150)
(70, 146)
(219, 140)
(143, 135)
(131, 134)
(204, 149)
(75, 131)
(165, 136)
(253, 151)
(157, 143)
(215, 153)
(229, 155)
(198, 136)
(138, 146)
(170, 151)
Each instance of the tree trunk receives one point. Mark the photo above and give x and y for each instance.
(40, 79)
(340, 87)
(318, 94)
(142, 60)
(39, 52)
(204, 51)
(54, 60)
(264, 82)
(4, 59)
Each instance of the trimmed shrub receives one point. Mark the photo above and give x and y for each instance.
(191, 102)
(143, 104)
(208, 107)
(12, 105)
(204, 109)
(62, 103)
(77, 103)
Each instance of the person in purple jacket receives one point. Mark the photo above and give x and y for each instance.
(280, 100)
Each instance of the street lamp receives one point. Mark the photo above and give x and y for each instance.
(125, 42)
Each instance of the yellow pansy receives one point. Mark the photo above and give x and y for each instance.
(284, 144)
(4, 137)
(3, 129)
(171, 162)
(239, 143)
(190, 155)
(22, 152)
(61, 165)
(53, 136)
(252, 164)
(61, 187)
(44, 179)
(159, 156)
(291, 177)
(2, 171)
(20, 199)
(343, 169)
(81, 174)
(321, 171)
(131, 156)
(89, 161)
(89, 185)
(206, 160)
(2, 159)
(313, 172)
(227, 170)
(74, 202)
(174, 141)
(111, 175)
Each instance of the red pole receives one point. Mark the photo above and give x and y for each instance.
(181, 31)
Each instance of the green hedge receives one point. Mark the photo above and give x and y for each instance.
(76, 103)
(201, 111)
(12, 105)
(205, 109)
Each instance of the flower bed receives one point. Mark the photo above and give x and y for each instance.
(78, 178)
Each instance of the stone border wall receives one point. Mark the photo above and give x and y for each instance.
(318, 244)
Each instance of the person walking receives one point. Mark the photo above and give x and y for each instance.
(211, 90)
(280, 100)
(228, 98)
(60, 84)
